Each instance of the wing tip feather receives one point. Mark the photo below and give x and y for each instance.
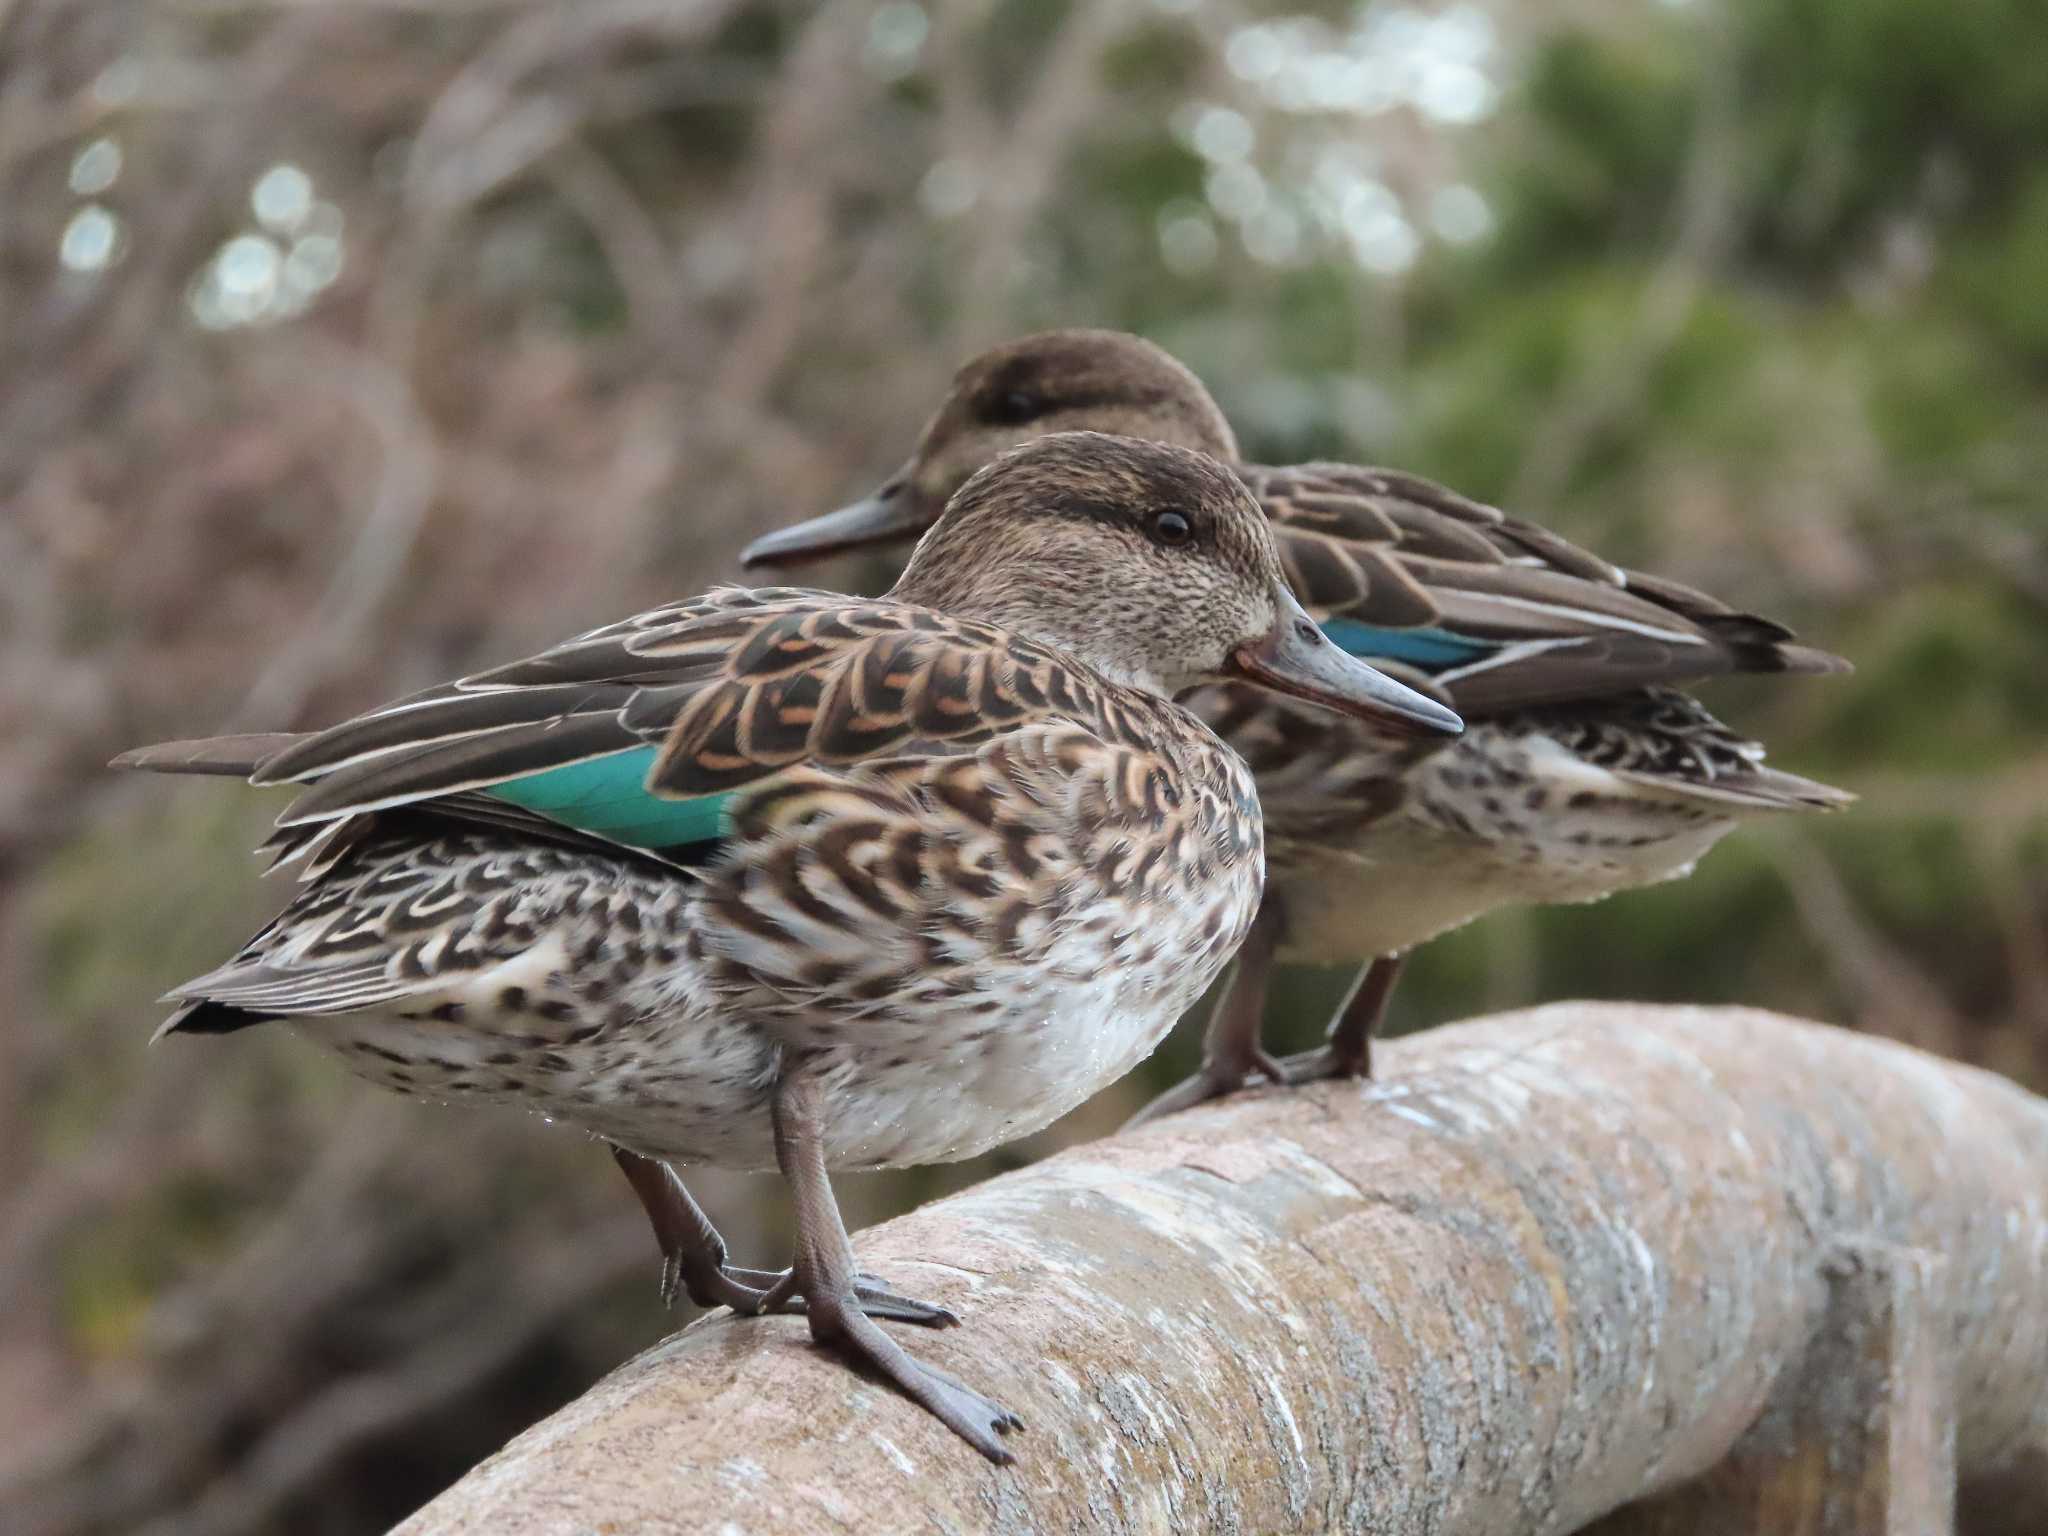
(237, 757)
(1811, 661)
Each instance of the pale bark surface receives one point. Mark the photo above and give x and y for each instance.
(1786, 1277)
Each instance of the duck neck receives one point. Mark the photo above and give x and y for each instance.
(1022, 603)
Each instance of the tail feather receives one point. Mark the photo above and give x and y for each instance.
(1759, 645)
(228, 756)
(1755, 791)
(1807, 659)
(210, 1018)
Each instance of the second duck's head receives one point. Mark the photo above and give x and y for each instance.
(1150, 563)
(1056, 381)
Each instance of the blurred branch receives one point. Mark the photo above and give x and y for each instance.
(639, 257)
(786, 216)
(522, 95)
(101, 337)
(1894, 997)
(1025, 159)
(335, 627)
(430, 1373)
(232, 1341)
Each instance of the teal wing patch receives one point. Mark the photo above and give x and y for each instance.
(1430, 649)
(608, 796)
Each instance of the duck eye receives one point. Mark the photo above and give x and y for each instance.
(1013, 408)
(1171, 529)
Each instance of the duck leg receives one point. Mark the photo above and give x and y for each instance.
(824, 1276)
(693, 1253)
(1349, 1051)
(1231, 1051)
(693, 1257)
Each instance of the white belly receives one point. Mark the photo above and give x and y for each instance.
(685, 1077)
(930, 1080)
(1410, 882)
(960, 965)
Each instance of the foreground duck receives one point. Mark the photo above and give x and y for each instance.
(1583, 772)
(785, 879)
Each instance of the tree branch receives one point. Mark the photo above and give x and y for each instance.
(1553, 1263)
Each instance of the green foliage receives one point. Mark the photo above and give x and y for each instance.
(109, 1276)
(1855, 104)
(1608, 125)
(1966, 664)
(118, 916)
(1998, 280)
(1874, 334)
(1824, 400)
(1835, 397)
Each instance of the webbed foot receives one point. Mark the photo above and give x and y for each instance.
(780, 1294)
(1217, 1079)
(843, 1323)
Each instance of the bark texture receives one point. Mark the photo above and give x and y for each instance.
(1690, 1270)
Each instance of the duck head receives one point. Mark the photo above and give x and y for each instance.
(1152, 564)
(1057, 381)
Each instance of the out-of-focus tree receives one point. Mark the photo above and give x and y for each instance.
(350, 345)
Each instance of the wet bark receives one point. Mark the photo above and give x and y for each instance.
(1668, 1270)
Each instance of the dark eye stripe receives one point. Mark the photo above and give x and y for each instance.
(1169, 528)
(1013, 408)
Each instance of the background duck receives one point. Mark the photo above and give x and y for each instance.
(1583, 772)
(784, 879)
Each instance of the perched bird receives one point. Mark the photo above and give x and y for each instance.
(781, 878)
(1582, 772)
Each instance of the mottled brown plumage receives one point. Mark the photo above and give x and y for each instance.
(783, 878)
(1553, 653)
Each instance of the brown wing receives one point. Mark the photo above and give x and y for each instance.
(1496, 612)
(838, 684)
(716, 693)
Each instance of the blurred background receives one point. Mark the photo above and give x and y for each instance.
(353, 344)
